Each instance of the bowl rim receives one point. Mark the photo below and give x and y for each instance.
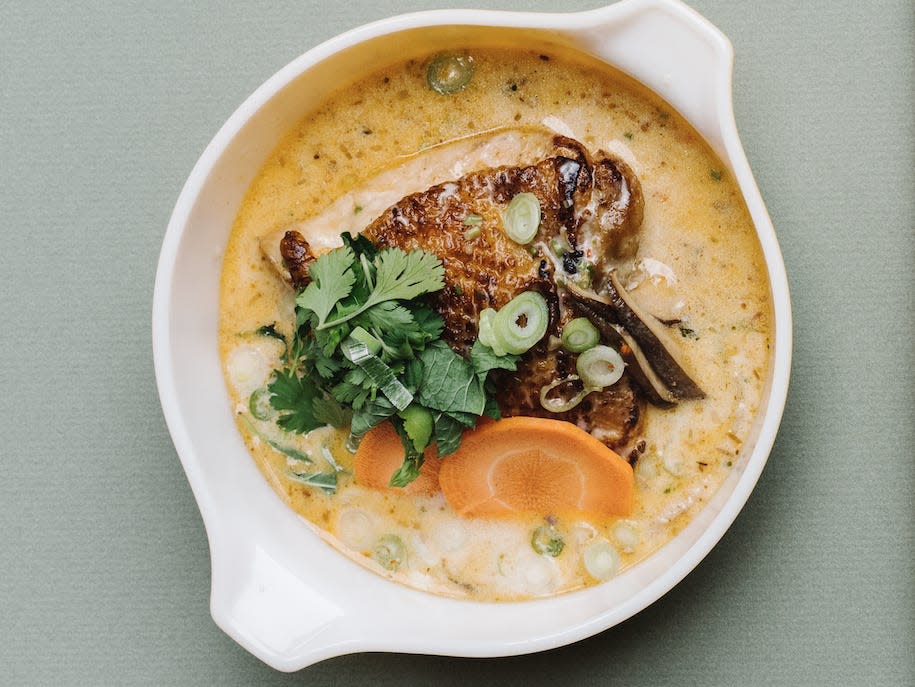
(732, 153)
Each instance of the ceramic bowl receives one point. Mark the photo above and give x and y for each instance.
(277, 588)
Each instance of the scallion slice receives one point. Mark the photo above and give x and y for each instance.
(521, 218)
(547, 541)
(389, 551)
(259, 404)
(448, 74)
(600, 367)
(579, 335)
(382, 375)
(521, 322)
(560, 404)
(486, 335)
(601, 559)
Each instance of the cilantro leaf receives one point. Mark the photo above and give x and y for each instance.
(387, 316)
(404, 276)
(293, 396)
(449, 382)
(327, 411)
(398, 276)
(332, 280)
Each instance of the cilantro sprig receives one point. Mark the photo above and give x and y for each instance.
(367, 349)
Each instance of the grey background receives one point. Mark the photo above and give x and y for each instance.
(104, 570)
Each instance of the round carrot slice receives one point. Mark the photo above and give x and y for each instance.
(380, 454)
(534, 465)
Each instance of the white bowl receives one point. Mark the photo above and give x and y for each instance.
(277, 588)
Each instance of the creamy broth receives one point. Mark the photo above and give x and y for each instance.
(699, 263)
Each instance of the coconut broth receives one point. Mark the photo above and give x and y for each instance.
(699, 262)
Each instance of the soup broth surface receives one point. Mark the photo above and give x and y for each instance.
(699, 265)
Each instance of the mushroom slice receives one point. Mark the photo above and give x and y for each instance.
(637, 364)
(655, 345)
(659, 347)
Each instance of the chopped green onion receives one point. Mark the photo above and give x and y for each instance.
(579, 335)
(560, 245)
(329, 457)
(547, 541)
(383, 376)
(449, 74)
(585, 274)
(487, 336)
(521, 218)
(371, 343)
(325, 481)
(293, 453)
(601, 559)
(626, 534)
(521, 322)
(389, 551)
(561, 405)
(600, 367)
(472, 233)
(259, 404)
(471, 219)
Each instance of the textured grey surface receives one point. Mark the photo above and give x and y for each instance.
(104, 570)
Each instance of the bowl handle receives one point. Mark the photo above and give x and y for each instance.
(687, 57)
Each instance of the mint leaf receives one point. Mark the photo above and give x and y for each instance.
(484, 359)
(370, 415)
(413, 458)
(332, 280)
(449, 383)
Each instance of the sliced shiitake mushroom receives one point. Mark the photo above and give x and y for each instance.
(656, 363)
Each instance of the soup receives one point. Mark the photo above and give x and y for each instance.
(690, 267)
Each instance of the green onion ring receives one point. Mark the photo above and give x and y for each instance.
(513, 334)
(600, 367)
(521, 218)
(579, 335)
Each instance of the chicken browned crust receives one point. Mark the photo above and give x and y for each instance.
(592, 207)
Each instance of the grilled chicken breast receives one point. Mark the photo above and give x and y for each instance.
(591, 211)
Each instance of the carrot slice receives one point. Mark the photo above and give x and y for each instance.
(380, 454)
(534, 465)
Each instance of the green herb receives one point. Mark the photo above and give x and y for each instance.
(628, 135)
(367, 349)
(449, 382)
(325, 481)
(547, 541)
(715, 174)
(269, 330)
(332, 280)
(398, 276)
(688, 333)
(294, 397)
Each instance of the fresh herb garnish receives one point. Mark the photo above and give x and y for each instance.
(366, 349)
